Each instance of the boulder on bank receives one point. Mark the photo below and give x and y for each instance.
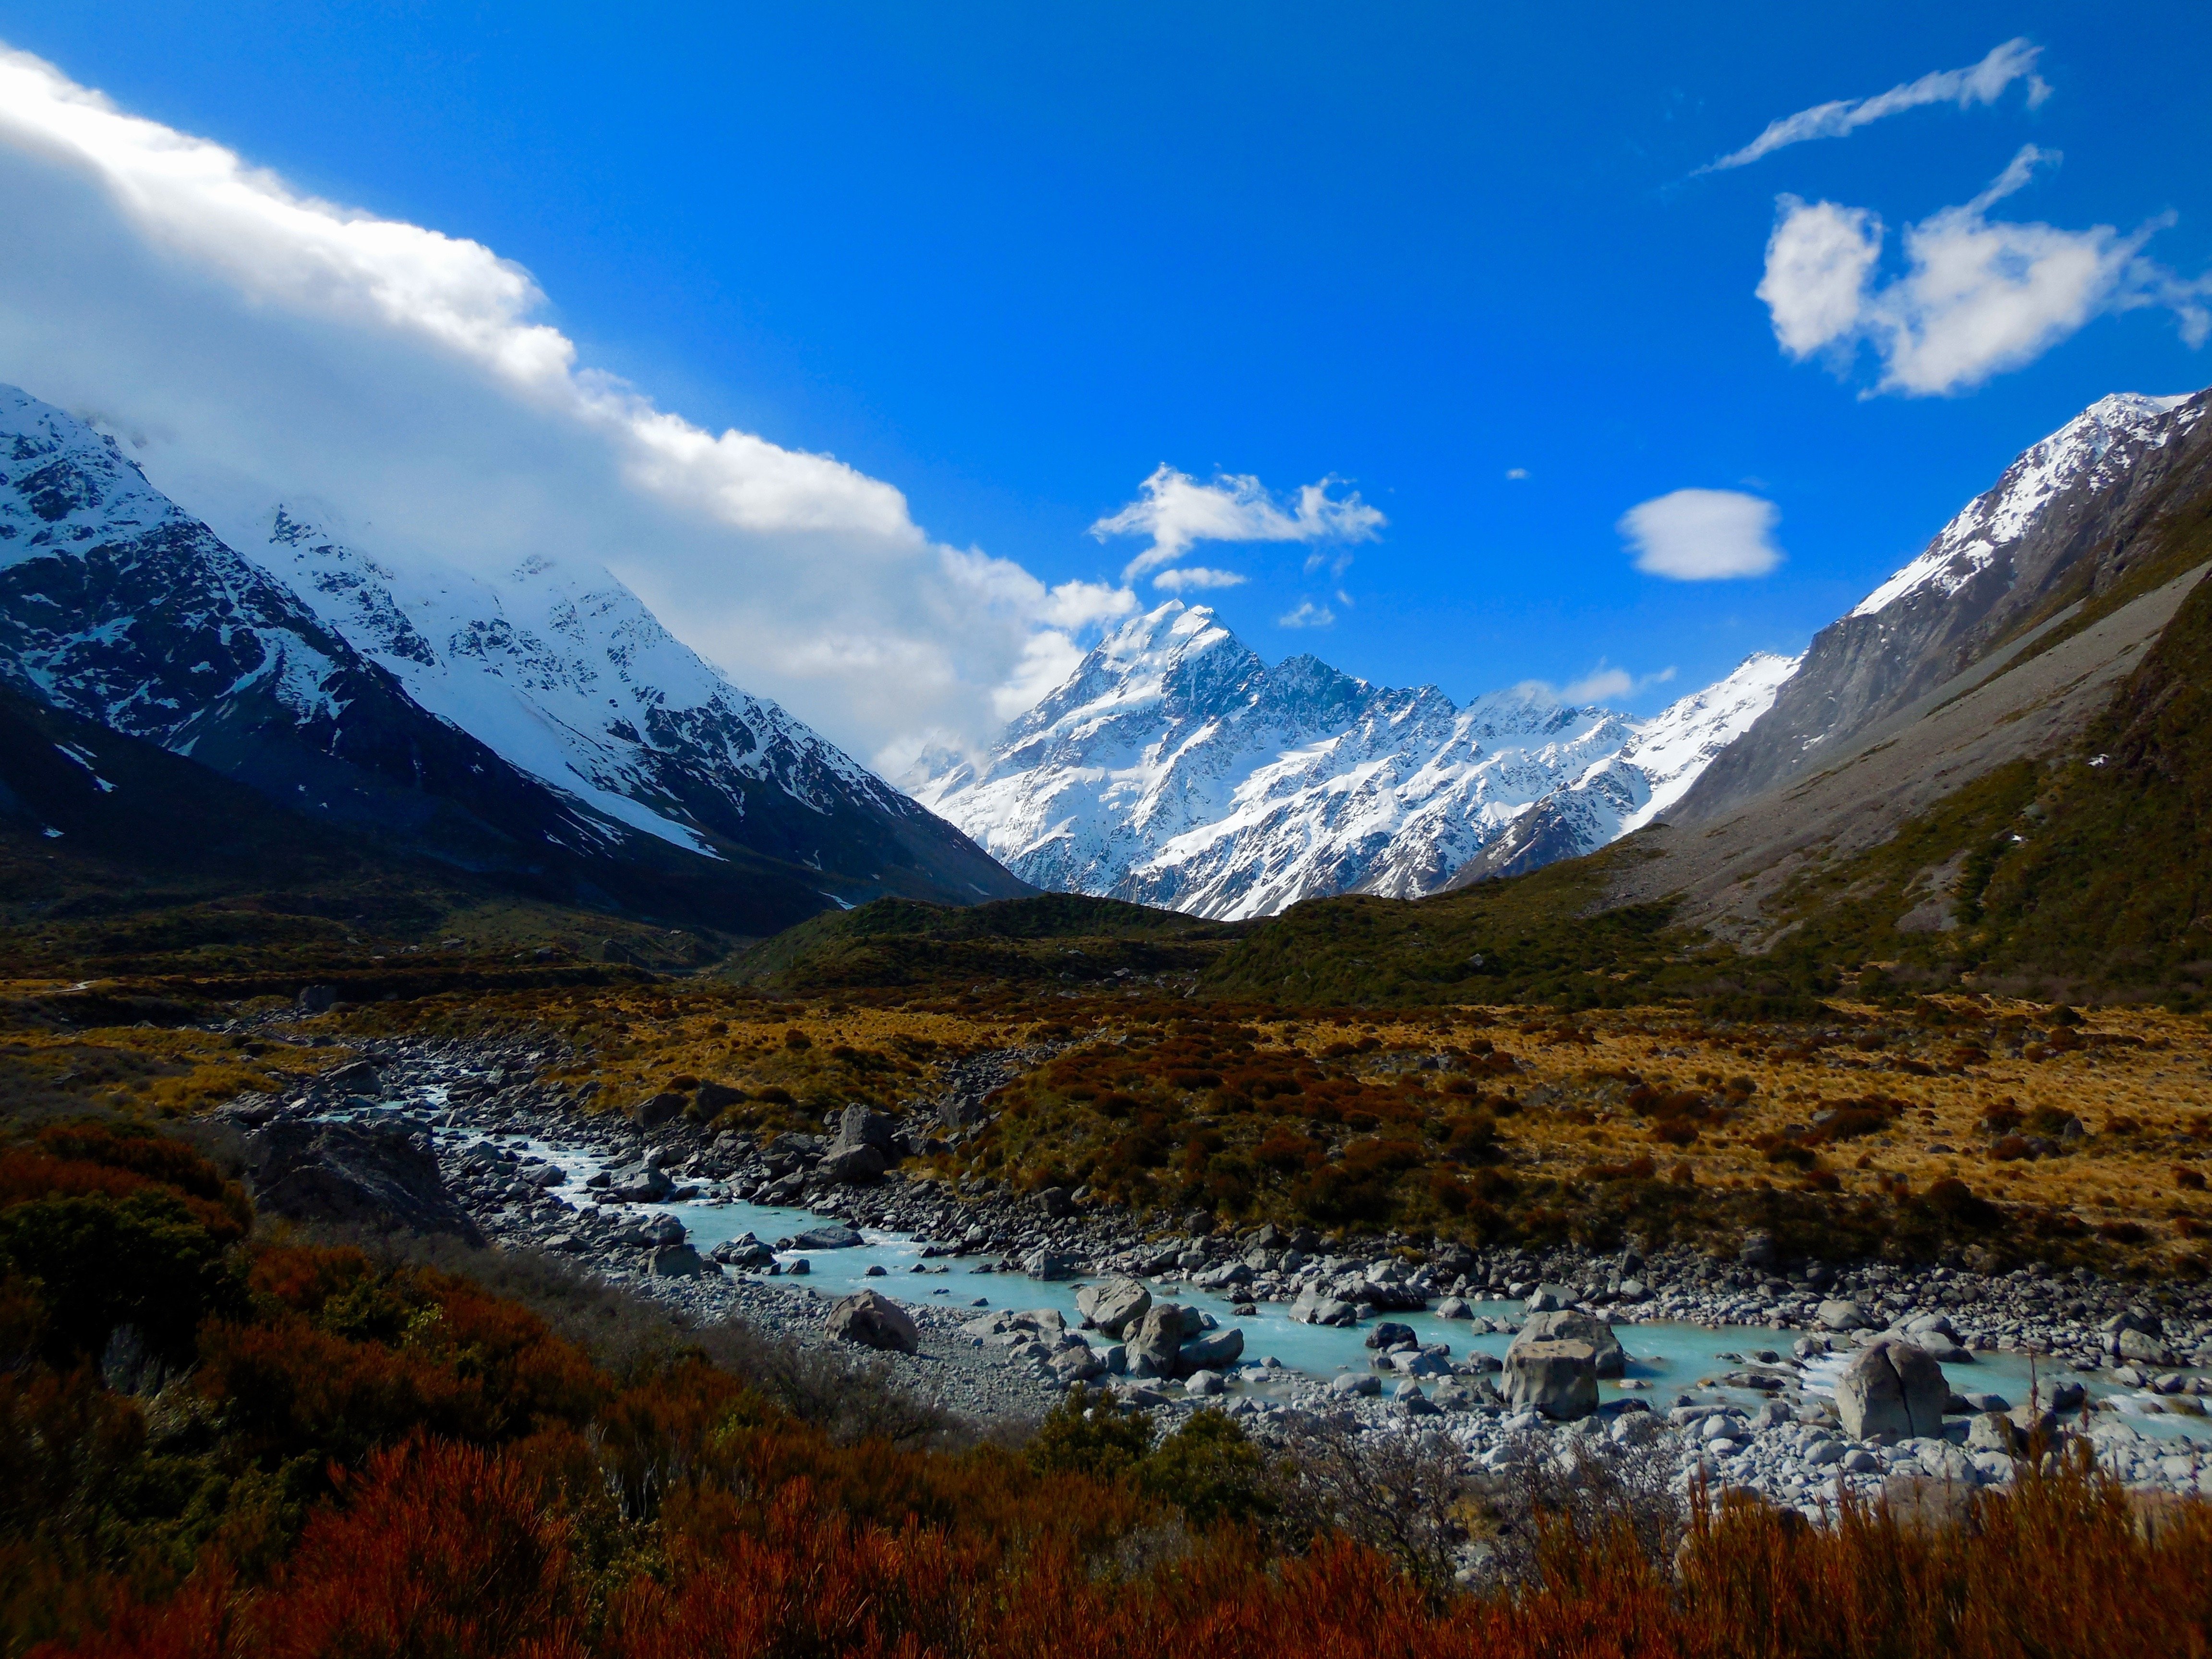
(355, 1175)
(858, 1126)
(1557, 1377)
(1572, 1325)
(875, 1322)
(1892, 1387)
(855, 1165)
(1837, 1314)
(1114, 1306)
(1156, 1341)
(656, 1110)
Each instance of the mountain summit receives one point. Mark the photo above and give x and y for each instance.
(1176, 768)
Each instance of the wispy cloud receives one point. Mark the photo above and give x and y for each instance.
(1190, 577)
(1703, 535)
(1978, 296)
(1981, 84)
(1307, 615)
(1178, 512)
(1606, 684)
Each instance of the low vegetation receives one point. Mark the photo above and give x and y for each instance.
(221, 1443)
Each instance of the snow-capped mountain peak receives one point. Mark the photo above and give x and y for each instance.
(2097, 446)
(1174, 766)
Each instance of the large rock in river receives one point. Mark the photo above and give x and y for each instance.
(1892, 1387)
(875, 1322)
(1557, 1377)
(1114, 1306)
(1572, 1325)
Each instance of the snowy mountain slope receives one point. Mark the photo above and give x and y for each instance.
(2040, 539)
(567, 675)
(1174, 767)
(1640, 784)
(119, 606)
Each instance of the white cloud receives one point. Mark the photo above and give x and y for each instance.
(1982, 83)
(1307, 615)
(1817, 263)
(1606, 684)
(1178, 512)
(1703, 535)
(1192, 576)
(265, 344)
(1977, 296)
(1517, 471)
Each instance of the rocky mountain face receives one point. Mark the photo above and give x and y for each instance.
(2050, 597)
(1174, 767)
(538, 746)
(567, 674)
(2048, 539)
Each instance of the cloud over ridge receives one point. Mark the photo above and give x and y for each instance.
(253, 342)
(1178, 512)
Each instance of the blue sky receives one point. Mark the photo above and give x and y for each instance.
(1011, 260)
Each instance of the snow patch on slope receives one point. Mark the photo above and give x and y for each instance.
(567, 674)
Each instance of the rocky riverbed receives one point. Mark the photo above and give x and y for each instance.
(468, 1138)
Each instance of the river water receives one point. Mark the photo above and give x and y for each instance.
(1665, 1358)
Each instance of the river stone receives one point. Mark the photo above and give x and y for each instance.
(874, 1322)
(1557, 1377)
(1214, 1352)
(2141, 1347)
(830, 1237)
(1049, 1266)
(1549, 1298)
(1114, 1305)
(656, 1110)
(676, 1261)
(1571, 1325)
(1156, 1339)
(638, 1183)
(1076, 1364)
(1892, 1387)
(1316, 1306)
(1836, 1315)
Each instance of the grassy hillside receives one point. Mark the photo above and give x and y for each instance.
(1049, 939)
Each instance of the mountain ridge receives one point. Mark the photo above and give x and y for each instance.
(118, 605)
(1174, 767)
